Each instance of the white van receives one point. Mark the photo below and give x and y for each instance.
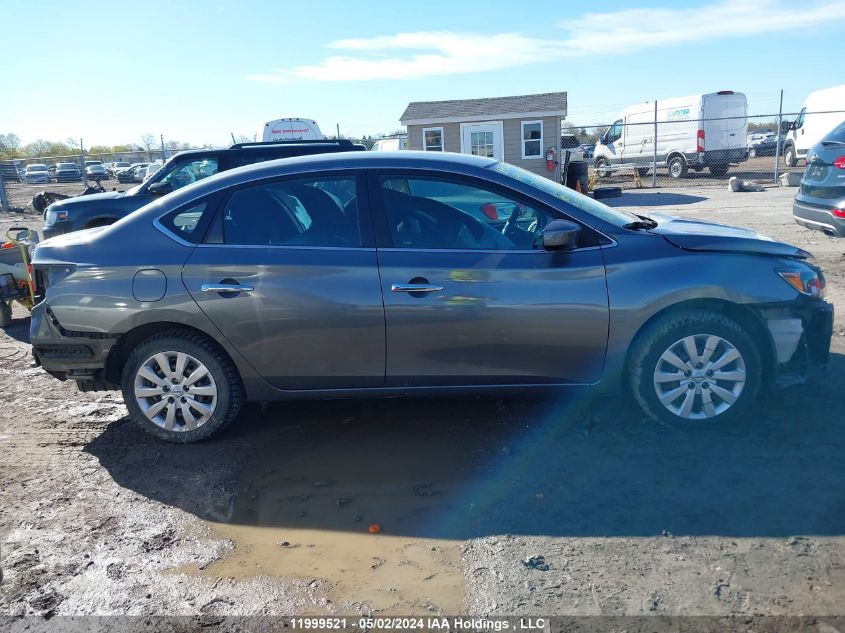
(821, 111)
(390, 144)
(706, 130)
(291, 129)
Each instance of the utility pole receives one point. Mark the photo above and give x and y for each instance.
(82, 163)
(161, 136)
(338, 131)
(4, 200)
(780, 128)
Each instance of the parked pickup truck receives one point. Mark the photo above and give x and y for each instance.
(101, 209)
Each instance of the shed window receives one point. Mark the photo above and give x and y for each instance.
(433, 139)
(532, 139)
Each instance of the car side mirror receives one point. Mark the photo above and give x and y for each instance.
(160, 188)
(560, 235)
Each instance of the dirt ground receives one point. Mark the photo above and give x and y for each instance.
(631, 518)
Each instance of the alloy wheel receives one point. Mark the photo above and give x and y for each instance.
(699, 377)
(175, 391)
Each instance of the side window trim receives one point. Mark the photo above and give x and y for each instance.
(214, 234)
(384, 239)
(212, 200)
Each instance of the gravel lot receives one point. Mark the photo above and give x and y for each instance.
(272, 518)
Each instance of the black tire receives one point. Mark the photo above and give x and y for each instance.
(677, 167)
(230, 394)
(718, 171)
(602, 167)
(790, 158)
(663, 335)
(5, 314)
(752, 153)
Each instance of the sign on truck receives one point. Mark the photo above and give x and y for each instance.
(291, 129)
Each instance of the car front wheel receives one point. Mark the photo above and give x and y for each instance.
(181, 387)
(695, 370)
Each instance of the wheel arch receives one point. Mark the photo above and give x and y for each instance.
(120, 351)
(745, 316)
(100, 220)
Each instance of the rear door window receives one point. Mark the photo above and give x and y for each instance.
(315, 212)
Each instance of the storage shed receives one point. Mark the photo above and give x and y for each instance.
(517, 130)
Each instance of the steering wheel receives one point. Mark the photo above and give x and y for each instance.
(510, 223)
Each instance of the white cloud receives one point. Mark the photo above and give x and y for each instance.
(444, 53)
(639, 29)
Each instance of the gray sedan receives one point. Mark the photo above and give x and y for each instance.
(381, 274)
(820, 203)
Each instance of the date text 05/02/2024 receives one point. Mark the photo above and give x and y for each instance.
(412, 623)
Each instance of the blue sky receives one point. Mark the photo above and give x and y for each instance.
(196, 71)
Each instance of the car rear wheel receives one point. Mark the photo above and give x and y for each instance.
(677, 167)
(695, 370)
(180, 387)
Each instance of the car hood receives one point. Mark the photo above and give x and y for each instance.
(92, 197)
(698, 235)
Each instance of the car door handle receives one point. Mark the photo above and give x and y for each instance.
(226, 288)
(415, 288)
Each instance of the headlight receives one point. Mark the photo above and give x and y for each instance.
(806, 280)
(54, 216)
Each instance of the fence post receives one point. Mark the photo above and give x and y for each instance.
(780, 127)
(4, 200)
(654, 151)
(82, 164)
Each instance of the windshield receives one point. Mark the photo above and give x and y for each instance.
(570, 196)
(37, 168)
(66, 166)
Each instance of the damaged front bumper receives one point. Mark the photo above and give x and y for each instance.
(801, 335)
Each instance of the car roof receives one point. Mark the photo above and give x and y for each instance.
(335, 161)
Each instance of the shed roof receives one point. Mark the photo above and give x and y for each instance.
(546, 104)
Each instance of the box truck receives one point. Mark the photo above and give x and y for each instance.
(706, 130)
(821, 111)
(291, 129)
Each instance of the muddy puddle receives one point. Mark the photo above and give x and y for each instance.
(309, 511)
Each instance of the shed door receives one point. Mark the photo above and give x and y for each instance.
(482, 139)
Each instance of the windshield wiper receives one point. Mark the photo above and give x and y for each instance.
(644, 222)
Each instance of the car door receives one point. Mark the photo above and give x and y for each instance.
(614, 142)
(470, 295)
(288, 273)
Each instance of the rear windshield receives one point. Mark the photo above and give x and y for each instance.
(836, 135)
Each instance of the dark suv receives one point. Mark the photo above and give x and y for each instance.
(85, 212)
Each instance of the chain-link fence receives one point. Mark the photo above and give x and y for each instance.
(694, 150)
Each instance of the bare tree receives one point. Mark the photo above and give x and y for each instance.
(148, 141)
